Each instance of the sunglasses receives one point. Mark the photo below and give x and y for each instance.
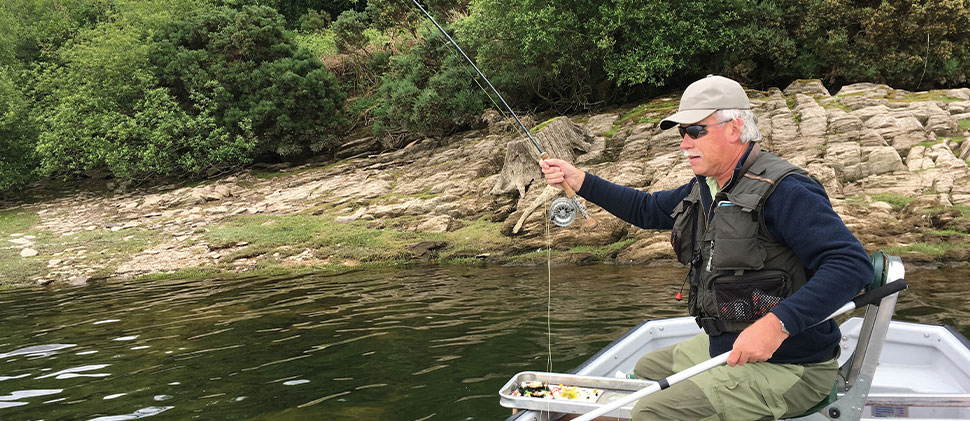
(697, 131)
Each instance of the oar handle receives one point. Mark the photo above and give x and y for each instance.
(656, 387)
(877, 294)
(570, 193)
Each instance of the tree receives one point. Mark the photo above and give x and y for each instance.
(429, 90)
(17, 134)
(242, 69)
(216, 88)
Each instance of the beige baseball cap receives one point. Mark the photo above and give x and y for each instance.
(704, 97)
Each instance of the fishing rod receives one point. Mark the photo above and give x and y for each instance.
(862, 300)
(560, 214)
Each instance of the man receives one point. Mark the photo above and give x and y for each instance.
(768, 258)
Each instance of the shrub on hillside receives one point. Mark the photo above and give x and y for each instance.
(101, 108)
(216, 89)
(242, 69)
(905, 43)
(429, 90)
(550, 53)
(17, 135)
(349, 31)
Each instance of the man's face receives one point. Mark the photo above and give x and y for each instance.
(716, 153)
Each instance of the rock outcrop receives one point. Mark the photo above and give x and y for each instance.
(873, 147)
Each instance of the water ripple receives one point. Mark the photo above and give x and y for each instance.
(388, 344)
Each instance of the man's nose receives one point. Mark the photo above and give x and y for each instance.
(686, 142)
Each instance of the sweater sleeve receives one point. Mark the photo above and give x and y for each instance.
(798, 213)
(645, 210)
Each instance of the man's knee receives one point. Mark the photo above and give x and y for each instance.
(654, 365)
(682, 401)
(664, 362)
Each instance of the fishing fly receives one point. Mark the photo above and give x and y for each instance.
(563, 210)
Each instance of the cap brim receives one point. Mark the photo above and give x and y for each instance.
(685, 117)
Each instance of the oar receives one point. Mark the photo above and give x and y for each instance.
(864, 299)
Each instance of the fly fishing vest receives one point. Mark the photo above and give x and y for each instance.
(738, 272)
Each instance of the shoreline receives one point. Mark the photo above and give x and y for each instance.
(901, 184)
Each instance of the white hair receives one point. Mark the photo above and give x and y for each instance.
(749, 123)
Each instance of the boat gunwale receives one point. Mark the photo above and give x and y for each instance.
(960, 338)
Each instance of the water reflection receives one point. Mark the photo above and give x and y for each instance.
(396, 344)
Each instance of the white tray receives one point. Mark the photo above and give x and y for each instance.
(613, 388)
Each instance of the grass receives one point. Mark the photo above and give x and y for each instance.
(947, 232)
(965, 124)
(935, 250)
(602, 252)
(291, 234)
(320, 44)
(16, 221)
(541, 126)
(836, 103)
(650, 112)
(15, 270)
(932, 95)
(897, 201)
(100, 249)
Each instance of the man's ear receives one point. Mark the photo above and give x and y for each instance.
(735, 132)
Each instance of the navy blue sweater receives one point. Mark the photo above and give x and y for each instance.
(798, 214)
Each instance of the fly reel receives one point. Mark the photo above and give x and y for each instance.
(562, 212)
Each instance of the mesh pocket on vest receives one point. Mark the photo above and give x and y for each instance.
(748, 300)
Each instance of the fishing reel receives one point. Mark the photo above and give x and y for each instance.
(563, 211)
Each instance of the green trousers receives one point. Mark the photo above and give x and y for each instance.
(754, 391)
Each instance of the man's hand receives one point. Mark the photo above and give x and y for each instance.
(557, 171)
(757, 342)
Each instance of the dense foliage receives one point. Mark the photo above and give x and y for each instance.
(429, 89)
(138, 89)
(175, 89)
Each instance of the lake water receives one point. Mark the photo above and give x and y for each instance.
(414, 343)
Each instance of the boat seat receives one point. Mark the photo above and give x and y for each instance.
(855, 375)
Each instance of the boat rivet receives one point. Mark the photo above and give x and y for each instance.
(661, 328)
(926, 335)
(834, 413)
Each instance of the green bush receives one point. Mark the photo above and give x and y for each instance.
(567, 55)
(243, 70)
(904, 43)
(349, 31)
(313, 21)
(17, 134)
(103, 108)
(558, 54)
(217, 88)
(429, 90)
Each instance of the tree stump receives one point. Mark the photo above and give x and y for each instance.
(560, 138)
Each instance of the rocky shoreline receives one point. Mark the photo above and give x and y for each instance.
(895, 164)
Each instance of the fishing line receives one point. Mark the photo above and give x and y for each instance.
(548, 293)
(472, 63)
(542, 153)
(548, 305)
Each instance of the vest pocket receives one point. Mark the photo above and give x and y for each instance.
(736, 245)
(684, 228)
(749, 297)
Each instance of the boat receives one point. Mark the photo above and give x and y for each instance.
(888, 368)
